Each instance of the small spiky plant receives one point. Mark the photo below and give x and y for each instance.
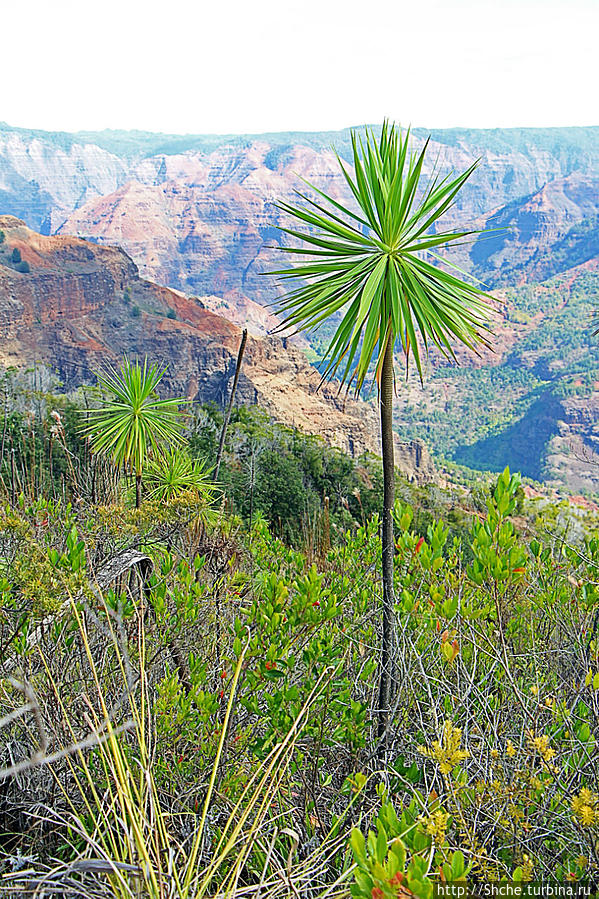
(174, 471)
(132, 422)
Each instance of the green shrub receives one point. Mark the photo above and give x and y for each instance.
(23, 267)
(16, 255)
(492, 770)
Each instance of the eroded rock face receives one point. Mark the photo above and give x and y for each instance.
(204, 222)
(527, 228)
(414, 460)
(44, 177)
(81, 306)
(573, 453)
(198, 214)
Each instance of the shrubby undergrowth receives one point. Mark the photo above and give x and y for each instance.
(211, 710)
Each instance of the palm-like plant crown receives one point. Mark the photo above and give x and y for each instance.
(372, 261)
(132, 420)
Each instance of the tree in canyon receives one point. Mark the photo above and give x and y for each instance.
(372, 268)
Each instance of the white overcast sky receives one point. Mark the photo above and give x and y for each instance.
(227, 66)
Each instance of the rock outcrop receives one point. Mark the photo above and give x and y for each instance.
(81, 306)
(573, 453)
(414, 460)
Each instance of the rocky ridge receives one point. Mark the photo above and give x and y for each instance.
(81, 306)
(206, 223)
(197, 213)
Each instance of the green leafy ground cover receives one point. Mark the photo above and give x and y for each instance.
(222, 697)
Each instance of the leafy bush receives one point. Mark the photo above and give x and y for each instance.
(242, 645)
(220, 688)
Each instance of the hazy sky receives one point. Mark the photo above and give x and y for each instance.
(229, 66)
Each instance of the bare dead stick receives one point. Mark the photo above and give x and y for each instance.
(223, 433)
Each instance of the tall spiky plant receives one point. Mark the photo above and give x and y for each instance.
(132, 422)
(370, 265)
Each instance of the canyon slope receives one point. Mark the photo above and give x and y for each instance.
(80, 307)
(198, 214)
(534, 402)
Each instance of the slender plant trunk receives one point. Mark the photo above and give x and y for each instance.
(386, 670)
(5, 420)
(13, 480)
(252, 484)
(137, 490)
(223, 433)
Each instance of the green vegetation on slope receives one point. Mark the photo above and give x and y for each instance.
(237, 691)
(506, 413)
(193, 692)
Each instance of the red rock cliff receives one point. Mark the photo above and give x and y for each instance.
(81, 305)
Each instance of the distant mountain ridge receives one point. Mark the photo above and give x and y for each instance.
(197, 213)
(181, 185)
